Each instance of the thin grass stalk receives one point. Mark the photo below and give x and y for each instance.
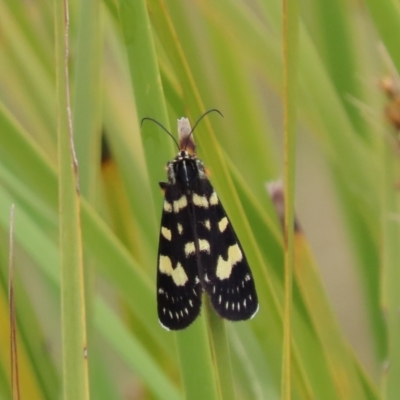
(15, 388)
(290, 55)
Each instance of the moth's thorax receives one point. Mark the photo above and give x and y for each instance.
(185, 169)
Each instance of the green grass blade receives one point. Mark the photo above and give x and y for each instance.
(86, 103)
(290, 57)
(196, 366)
(73, 315)
(134, 354)
(147, 90)
(390, 270)
(220, 350)
(386, 16)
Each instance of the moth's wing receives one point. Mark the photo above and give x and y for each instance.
(224, 271)
(178, 285)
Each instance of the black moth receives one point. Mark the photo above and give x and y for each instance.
(198, 248)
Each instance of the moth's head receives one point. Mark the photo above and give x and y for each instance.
(182, 155)
(186, 141)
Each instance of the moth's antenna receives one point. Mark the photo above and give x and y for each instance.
(162, 126)
(200, 118)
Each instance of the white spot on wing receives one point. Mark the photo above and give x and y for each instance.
(180, 204)
(189, 249)
(214, 199)
(207, 224)
(180, 229)
(167, 206)
(204, 245)
(166, 233)
(178, 274)
(219, 299)
(224, 268)
(200, 201)
(223, 224)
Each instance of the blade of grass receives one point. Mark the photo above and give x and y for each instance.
(133, 353)
(196, 366)
(86, 103)
(30, 384)
(386, 16)
(87, 97)
(290, 71)
(335, 41)
(15, 388)
(73, 315)
(147, 90)
(220, 350)
(252, 366)
(38, 377)
(339, 357)
(390, 297)
(40, 117)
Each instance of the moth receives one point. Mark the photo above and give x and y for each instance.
(198, 248)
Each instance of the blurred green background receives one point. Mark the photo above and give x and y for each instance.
(131, 59)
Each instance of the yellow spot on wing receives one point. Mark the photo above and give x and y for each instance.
(224, 268)
(214, 199)
(167, 206)
(178, 274)
(189, 248)
(203, 246)
(180, 204)
(165, 265)
(166, 233)
(223, 224)
(200, 201)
